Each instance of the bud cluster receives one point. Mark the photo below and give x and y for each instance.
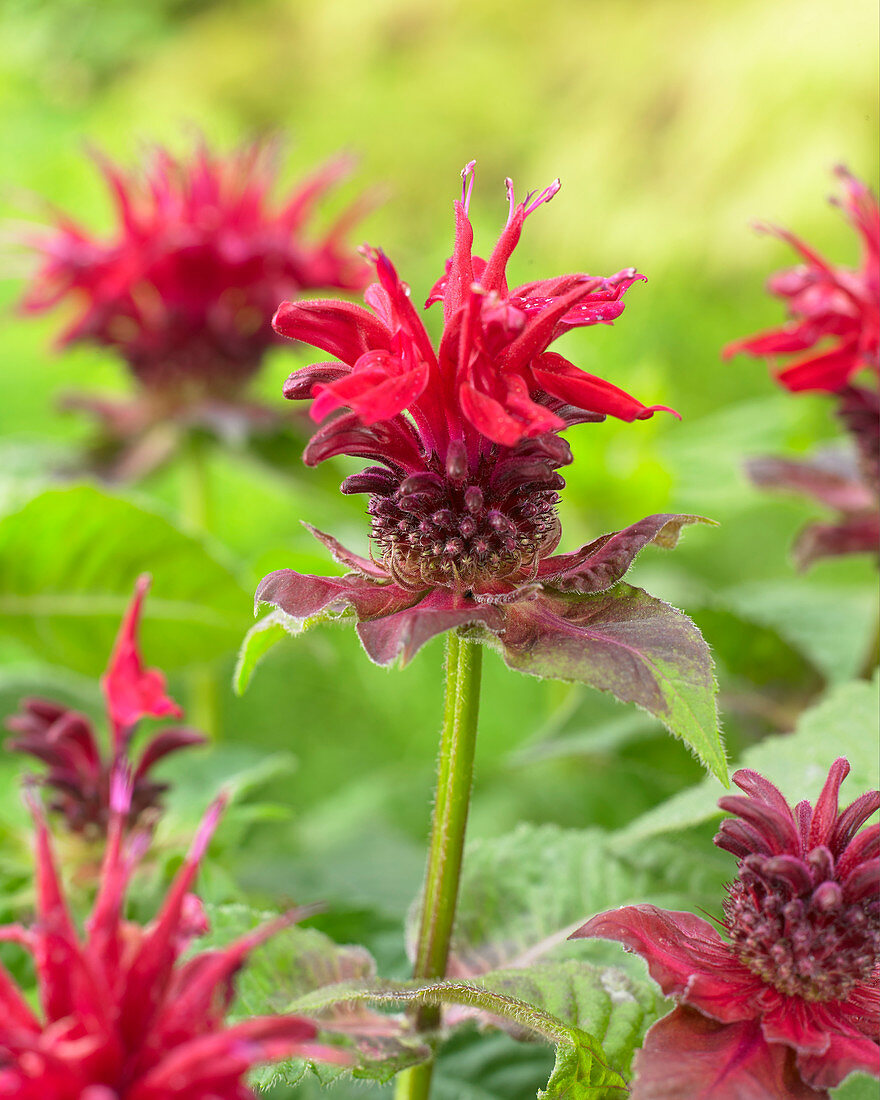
(800, 929)
(468, 527)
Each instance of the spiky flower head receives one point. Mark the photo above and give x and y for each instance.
(184, 286)
(78, 769)
(789, 1001)
(834, 310)
(835, 316)
(465, 443)
(122, 1016)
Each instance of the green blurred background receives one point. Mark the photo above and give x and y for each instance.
(672, 124)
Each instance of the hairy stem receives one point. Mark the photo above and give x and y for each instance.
(454, 778)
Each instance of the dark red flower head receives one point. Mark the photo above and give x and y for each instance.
(466, 452)
(186, 284)
(79, 772)
(834, 310)
(465, 496)
(794, 990)
(121, 1016)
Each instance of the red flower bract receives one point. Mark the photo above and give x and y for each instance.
(834, 310)
(65, 740)
(122, 1017)
(789, 1004)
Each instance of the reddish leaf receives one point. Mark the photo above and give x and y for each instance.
(687, 1056)
(602, 563)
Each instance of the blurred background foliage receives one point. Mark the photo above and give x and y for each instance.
(672, 125)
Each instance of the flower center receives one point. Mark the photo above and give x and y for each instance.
(482, 533)
(791, 925)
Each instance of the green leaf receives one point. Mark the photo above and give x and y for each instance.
(578, 1076)
(858, 1086)
(68, 562)
(586, 1070)
(844, 723)
(610, 1004)
(266, 634)
(630, 644)
(293, 972)
(524, 893)
(830, 624)
(261, 637)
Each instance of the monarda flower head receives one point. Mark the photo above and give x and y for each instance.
(184, 287)
(835, 316)
(121, 1016)
(466, 450)
(787, 1002)
(834, 310)
(78, 770)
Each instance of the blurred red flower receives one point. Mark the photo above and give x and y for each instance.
(79, 772)
(840, 305)
(122, 1017)
(789, 1004)
(834, 310)
(185, 286)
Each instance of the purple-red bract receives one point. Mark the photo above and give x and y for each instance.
(789, 1003)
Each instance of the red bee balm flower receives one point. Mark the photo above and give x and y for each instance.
(789, 1004)
(78, 772)
(841, 305)
(463, 501)
(185, 287)
(827, 303)
(122, 1017)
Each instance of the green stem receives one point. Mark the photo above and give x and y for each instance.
(195, 485)
(454, 778)
(196, 514)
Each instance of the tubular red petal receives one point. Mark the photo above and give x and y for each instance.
(557, 376)
(828, 371)
(132, 691)
(777, 828)
(824, 816)
(339, 328)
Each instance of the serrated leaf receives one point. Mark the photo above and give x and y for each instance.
(844, 723)
(68, 561)
(587, 1069)
(630, 644)
(291, 973)
(524, 893)
(607, 1002)
(577, 1076)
